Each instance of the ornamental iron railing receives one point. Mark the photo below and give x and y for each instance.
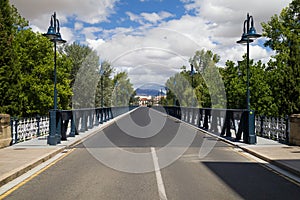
(223, 122)
(275, 128)
(23, 129)
(232, 123)
(69, 122)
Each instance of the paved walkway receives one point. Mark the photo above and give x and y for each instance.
(20, 158)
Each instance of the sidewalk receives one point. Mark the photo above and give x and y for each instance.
(20, 158)
(281, 155)
(284, 156)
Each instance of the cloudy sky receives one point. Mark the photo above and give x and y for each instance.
(152, 39)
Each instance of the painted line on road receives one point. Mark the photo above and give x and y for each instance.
(159, 180)
(22, 180)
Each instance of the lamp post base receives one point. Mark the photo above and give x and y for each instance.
(251, 128)
(52, 138)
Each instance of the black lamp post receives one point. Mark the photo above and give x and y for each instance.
(54, 35)
(248, 36)
(192, 76)
(101, 72)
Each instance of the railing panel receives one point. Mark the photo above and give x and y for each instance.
(275, 128)
(224, 122)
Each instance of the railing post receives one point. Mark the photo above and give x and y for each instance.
(91, 119)
(65, 117)
(58, 127)
(15, 138)
(214, 121)
(83, 121)
(38, 120)
(73, 124)
(206, 116)
(287, 132)
(97, 117)
(226, 126)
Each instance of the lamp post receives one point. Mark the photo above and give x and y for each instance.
(101, 72)
(248, 36)
(192, 76)
(54, 35)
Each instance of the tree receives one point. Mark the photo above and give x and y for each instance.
(105, 86)
(10, 23)
(209, 86)
(283, 36)
(85, 80)
(235, 80)
(35, 65)
(123, 90)
(179, 90)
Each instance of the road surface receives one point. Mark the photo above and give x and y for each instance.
(146, 155)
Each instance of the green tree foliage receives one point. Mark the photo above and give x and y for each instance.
(283, 36)
(26, 69)
(105, 85)
(77, 54)
(203, 87)
(235, 80)
(86, 80)
(10, 22)
(209, 86)
(180, 91)
(123, 91)
(35, 67)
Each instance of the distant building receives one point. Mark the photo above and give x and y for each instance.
(144, 100)
(150, 100)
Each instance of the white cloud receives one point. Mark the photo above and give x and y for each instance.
(38, 12)
(152, 18)
(153, 53)
(67, 34)
(78, 26)
(94, 44)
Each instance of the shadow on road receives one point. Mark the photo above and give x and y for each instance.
(251, 181)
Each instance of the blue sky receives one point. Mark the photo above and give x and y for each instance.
(152, 39)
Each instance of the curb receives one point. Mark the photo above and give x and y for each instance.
(23, 169)
(30, 166)
(245, 149)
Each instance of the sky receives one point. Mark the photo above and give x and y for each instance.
(152, 39)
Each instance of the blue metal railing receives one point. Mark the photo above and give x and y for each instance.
(81, 120)
(69, 122)
(223, 122)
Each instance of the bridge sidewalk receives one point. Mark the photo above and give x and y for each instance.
(284, 156)
(20, 158)
(281, 155)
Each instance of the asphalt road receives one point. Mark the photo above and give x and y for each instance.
(146, 155)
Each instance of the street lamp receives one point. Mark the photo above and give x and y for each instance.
(101, 72)
(192, 76)
(248, 36)
(54, 35)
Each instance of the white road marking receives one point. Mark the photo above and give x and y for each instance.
(160, 183)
